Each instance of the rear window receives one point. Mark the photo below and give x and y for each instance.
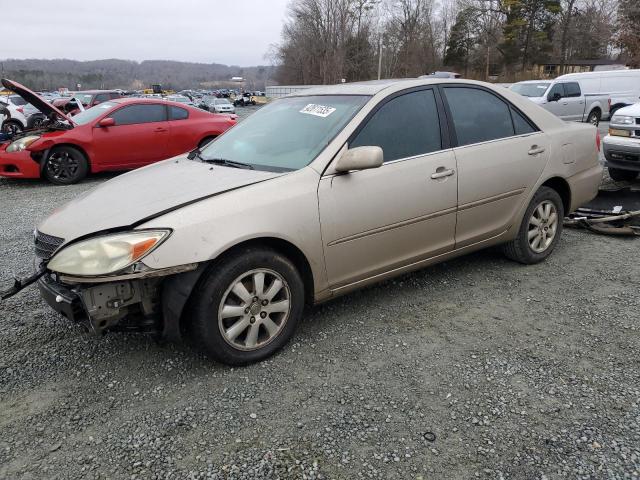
(572, 89)
(177, 113)
(478, 116)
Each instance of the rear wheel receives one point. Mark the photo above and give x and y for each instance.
(540, 229)
(65, 166)
(247, 306)
(594, 117)
(620, 175)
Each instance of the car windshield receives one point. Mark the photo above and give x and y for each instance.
(180, 99)
(222, 101)
(84, 98)
(286, 134)
(91, 114)
(530, 89)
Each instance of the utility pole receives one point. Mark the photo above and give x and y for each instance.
(379, 58)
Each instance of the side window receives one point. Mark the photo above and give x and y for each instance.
(141, 113)
(115, 95)
(521, 124)
(403, 127)
(557, 88)
(101, 97)
(572, 89)
(177, 113)
(478, 116)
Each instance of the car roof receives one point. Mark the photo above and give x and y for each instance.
(373, 87)
(92, 92)
(156, 100)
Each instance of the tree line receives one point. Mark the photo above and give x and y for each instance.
(327, 41)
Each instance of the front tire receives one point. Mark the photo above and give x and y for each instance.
(11, 127)
(620, 175)
(540, 229)
(247, 306)
(65, 166)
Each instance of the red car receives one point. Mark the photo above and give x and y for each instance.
(119, 134)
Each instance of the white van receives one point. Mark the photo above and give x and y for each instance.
(584, 97)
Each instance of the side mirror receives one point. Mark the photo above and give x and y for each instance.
(555, 97)
(360, 158)
(106, 122)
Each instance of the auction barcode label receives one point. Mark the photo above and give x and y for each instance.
(318, 110)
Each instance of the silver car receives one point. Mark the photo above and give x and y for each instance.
(313, 196)
(221, 105)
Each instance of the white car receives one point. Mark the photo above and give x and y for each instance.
(622, 145)
(221, 105)
(15, 121)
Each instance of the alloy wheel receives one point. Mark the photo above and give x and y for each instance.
(254, 309)
(62, 166)
(543, 226)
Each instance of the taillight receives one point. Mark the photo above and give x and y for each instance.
(20, 109)
(598, 140)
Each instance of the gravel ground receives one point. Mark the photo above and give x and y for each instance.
(520, 372)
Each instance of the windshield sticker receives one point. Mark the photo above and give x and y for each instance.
(318, 110)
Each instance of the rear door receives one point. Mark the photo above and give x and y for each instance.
(139, 137)
(500, 155)
(404, 211)
(573, 102)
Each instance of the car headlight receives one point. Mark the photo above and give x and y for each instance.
(622, 120)
(106, 254)
(22, 143)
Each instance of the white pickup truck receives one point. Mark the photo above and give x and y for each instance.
(584, 97)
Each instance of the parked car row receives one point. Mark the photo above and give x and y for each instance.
(584, 97)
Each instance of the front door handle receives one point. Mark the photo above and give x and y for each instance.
(535, 150)
(160, 130)
(442, 172)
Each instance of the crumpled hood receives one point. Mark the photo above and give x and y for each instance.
(147, 192)
(34, 99)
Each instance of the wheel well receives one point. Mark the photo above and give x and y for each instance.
(561, 186)
(13, 120)
(596, 109)
(290, 251)
(206, 140)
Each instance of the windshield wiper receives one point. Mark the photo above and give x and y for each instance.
(227, 163)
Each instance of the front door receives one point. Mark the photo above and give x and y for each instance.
(376, 220)
(139, 137)
(500, 156)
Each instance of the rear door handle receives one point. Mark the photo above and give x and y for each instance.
(535, 150)
(160, 130)
(442, 172)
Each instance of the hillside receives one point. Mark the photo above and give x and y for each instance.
(126, 74)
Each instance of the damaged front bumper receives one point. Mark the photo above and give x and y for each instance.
(128, 302)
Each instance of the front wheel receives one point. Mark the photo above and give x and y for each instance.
(620, 175)
(65, 166)
(11, 127)
(594, 118)
(540, 229)
(247, 306)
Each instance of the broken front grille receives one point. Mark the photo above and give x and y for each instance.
(46, 245)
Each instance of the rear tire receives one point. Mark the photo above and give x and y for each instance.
(542, 223)
(252, 324)
(65, 166)
(594, 117)
(620, 175)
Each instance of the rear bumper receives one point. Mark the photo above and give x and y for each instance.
(622, 153)
(584, 186)
(18, 164)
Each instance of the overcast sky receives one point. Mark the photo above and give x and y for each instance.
(232, 32)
